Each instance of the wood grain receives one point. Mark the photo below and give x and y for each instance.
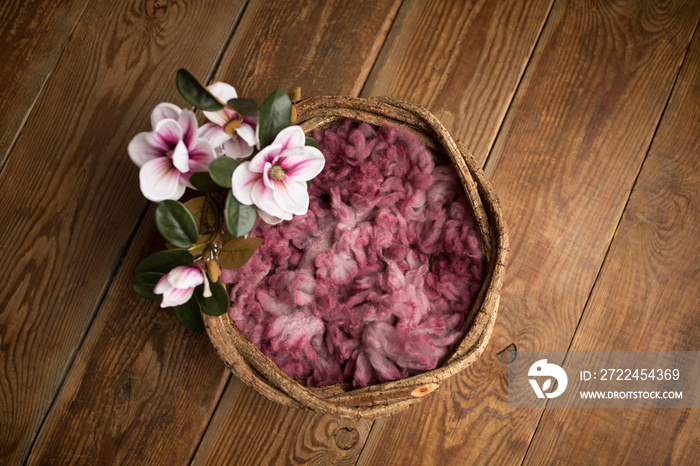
(326, 48)
(164, 382)
(251, 429)
(141, 390)
(646, 298)
(70, 193)
(27, 58)
(461, 60)
(565, 161)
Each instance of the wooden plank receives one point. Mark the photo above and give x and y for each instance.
(70, 193)
(461, 60)
(142, 388)
(250, 429)
(646, 299)
(327, 48)
(27, 58)
(168, 381)
(342, 42)
(563, 165)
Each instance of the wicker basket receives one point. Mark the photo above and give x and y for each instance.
(259, 372)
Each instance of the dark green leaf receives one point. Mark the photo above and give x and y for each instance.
(275, 115)
(236, 252)
(176, 224)
(221, 169)
(246, 107)
(239, 218)
(144, 283)
(195, 93)
(202, 182)
(188, 314)
(311, 142)
(164, 261)
(215, 305)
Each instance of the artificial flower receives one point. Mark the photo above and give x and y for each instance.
(229, 132)
(178, 285)
(169, 154)
(275, 179)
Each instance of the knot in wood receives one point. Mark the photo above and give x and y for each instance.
(156, 8)
(346, 438)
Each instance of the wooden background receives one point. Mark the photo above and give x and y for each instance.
(584, 114)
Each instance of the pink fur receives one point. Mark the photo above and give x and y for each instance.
(374, 283)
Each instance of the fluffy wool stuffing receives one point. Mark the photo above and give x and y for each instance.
(374, 283)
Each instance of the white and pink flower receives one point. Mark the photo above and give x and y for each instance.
(230, 133)
(275, 179)
(178, 285)
(169, 154)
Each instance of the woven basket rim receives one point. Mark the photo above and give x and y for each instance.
(259, 372)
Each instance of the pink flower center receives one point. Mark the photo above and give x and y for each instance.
(277, 173)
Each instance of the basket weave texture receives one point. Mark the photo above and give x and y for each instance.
(259, 372)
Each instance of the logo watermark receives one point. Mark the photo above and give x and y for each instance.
(543, 368)
(604, 379)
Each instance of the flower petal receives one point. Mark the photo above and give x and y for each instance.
(162, 286)
(215, 134)
(140, 151)
(266, 176)
(164, 110)
(304, 167)
(189, 125)
(291, 196)
(185, 276)
(166, 135)
(176, 297)
(246, 132)
(224, 92)
(291, 136)
(201, 155)
(242, 183)
(237, 148)
(160, 180)
(268, 154)
(181, 159)
(267, 218)
(262, 198)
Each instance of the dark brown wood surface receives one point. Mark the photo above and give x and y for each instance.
(586, 116)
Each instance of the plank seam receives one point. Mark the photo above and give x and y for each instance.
(617, 227)
(100, 300)
(29, 111)
(515, 92)
(517, 88)
(379, 50)
(119, 259)
(227, 376)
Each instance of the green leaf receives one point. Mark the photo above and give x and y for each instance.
(311, 142)
(240, 218)
(176, 224)
(195, 93)
(275, 115)
(188, 314)
(215, 305)
(221, 170)
(236, 252)
(246, 107)
(202, 182)
(144, 283)
(164, 261)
